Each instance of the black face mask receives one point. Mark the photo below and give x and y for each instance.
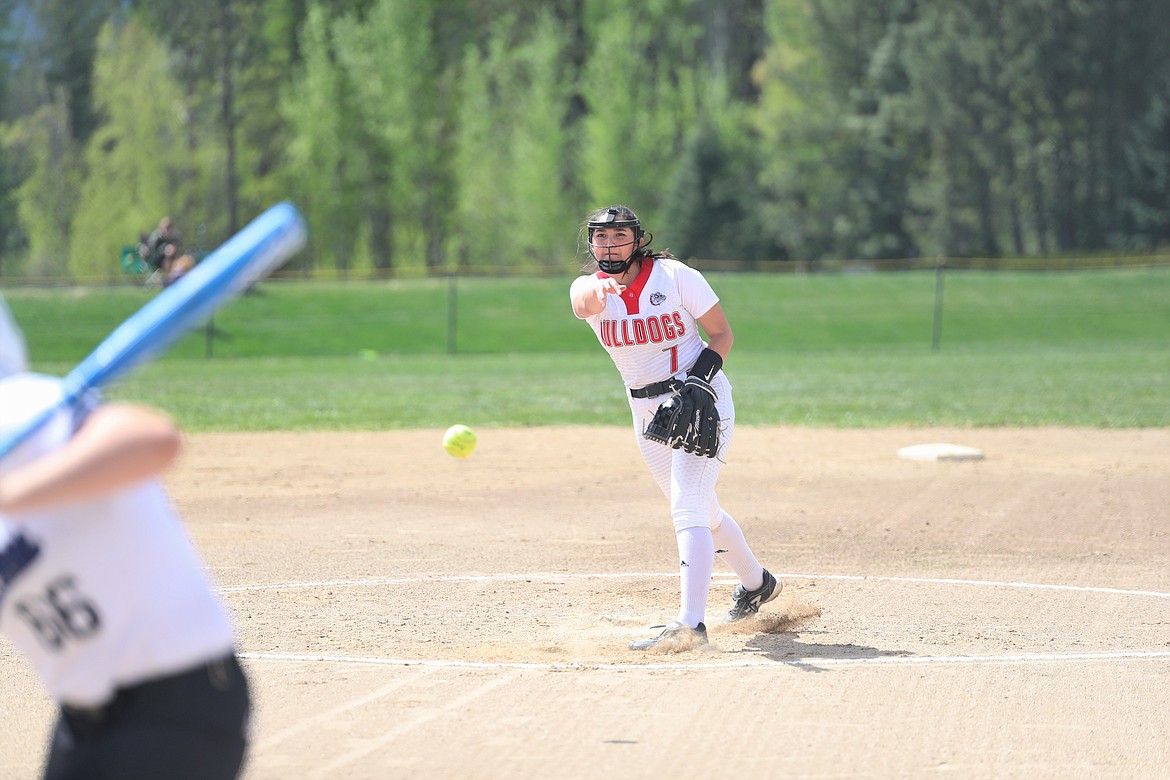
(616, 267)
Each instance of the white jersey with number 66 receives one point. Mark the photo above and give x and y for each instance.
(101, 594)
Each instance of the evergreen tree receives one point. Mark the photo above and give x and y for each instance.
(392, 60)
(47, 196)
(513, 148)
(712, 202)
(70, 35)
(641, 86)
(327, 172)
(231, 56)
(1145, 207)
(813, 88)
(138, 164)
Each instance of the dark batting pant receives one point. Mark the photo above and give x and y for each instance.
(189, 726)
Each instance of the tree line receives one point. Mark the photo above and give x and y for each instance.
(443, 134)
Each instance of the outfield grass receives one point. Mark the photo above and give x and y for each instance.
(1084, 348)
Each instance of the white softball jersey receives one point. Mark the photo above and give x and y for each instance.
(101, 594)
(651, 332)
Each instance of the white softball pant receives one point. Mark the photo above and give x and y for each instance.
(686, 479)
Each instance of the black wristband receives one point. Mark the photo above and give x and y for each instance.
(707, 365)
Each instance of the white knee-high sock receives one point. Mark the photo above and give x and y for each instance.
(732, 549)
(696, 555)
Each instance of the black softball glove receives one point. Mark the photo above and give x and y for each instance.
(702, 433)
(688, 420)
(668, 424)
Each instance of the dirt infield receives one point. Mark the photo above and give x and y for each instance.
(408, 615)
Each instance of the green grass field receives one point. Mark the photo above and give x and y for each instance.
(1079, 348)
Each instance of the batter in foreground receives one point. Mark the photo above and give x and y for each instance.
(104, 594)
(646, 309)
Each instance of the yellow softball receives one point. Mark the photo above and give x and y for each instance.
(459, 440)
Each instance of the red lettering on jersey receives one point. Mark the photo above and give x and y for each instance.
(638, 330)
(606, 339)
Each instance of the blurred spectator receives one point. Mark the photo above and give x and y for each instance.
(164, 255)
(162, 247)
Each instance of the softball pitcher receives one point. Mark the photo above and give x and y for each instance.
(103, 593)
(647, 310)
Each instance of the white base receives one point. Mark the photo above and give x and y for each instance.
(940, 452)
